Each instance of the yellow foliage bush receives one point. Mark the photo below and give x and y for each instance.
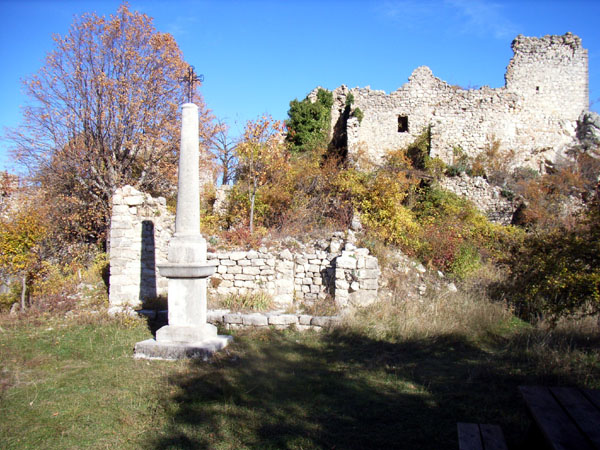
(379, 198)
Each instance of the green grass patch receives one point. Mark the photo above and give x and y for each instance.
(73, 383)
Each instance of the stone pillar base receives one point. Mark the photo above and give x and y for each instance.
(176, 333)
(151, 349)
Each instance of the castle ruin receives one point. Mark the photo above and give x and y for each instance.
(534, 115)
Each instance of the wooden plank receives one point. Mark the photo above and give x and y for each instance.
(469, 437)
(492, 437)
(584, 413)
(554, 423)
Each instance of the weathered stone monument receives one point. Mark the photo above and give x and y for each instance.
(188, 334)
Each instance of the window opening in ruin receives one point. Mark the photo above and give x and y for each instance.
(402, 124)
(537, 89)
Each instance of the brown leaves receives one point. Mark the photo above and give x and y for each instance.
(104, 110)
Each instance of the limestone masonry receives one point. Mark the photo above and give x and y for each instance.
(535, 114)
(540, 112)
(486, 197)
(142, 228)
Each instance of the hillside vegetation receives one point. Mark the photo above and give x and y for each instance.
(397, 374)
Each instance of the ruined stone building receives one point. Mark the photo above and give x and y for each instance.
(535, 114)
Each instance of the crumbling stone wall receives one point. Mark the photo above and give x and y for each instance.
(487, 198)
(142, 227)
(301, 277)
(535, 114)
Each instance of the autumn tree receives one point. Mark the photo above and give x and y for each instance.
(21, 236)
(260, 154)
(8, 186)
(104, 113)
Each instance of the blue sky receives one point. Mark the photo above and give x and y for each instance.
(256, 56)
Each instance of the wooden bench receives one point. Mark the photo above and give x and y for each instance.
(568, 418)
(475, 436)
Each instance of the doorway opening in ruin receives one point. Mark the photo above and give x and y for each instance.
(402, 124)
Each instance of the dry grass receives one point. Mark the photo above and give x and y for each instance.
(447, 313)
(249, 302)
(321, 307)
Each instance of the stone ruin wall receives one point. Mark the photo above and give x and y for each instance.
(550, 74)
(140, 229)
(486, 197)
(535, 114)
(142, 226)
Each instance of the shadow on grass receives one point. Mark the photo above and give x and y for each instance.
(342, 390)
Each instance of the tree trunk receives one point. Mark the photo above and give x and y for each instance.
(252, 197)
(23, 293)
(108, 225)
(225, 179)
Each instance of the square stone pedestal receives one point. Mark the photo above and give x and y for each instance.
(152, 349)
(180, 333)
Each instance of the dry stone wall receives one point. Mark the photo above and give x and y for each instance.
(233, 320)
(535, 114)
(142, 227)
(276, 319)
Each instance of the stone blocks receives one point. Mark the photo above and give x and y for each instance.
(139, 241)
(535, 114)
(277, 320)
(141, 228)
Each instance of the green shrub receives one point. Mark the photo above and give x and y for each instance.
(507, 194)
(466, 261)
(358, 114)
(349, 99)
(461, 163)
(435, 167)
(455, 236)
(556, 272)
(453, 171)
(308, 123)
(418, 151)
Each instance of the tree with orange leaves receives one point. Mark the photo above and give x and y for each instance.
(260, 154)
(104, 112)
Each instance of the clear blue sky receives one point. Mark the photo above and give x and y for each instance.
(256, 56)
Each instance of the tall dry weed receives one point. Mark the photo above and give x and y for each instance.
(447, 313)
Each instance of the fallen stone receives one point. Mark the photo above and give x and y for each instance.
(287, 255)
(304, 319)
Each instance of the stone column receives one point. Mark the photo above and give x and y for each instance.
(187, 270)
(187, 221)
(188, 333)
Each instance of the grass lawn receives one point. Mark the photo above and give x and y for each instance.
(73, 383)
